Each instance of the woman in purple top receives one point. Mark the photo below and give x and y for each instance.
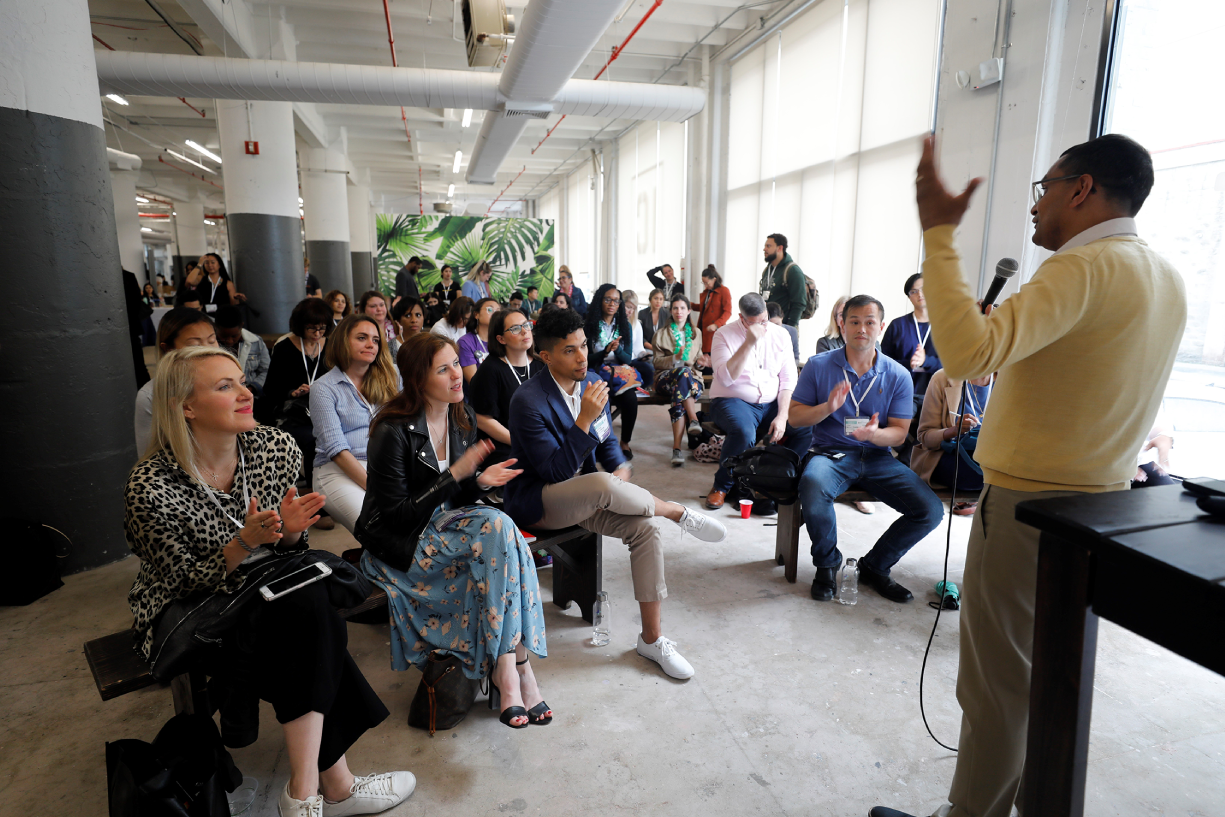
(474, 346)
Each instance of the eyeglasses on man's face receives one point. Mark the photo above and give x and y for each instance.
(1038, 188)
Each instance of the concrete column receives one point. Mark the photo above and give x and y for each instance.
(361, 238)
(261, 208)
(67, 381)
(326, 202)
(127, 222)
(192, 242)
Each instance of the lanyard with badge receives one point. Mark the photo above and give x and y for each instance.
(518, 379)
(311, 374)
(850, 424)
(600, 427)
(361, 397)
(922, 337)
(246, 496)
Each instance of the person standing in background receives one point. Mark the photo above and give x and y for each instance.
(477, 285)
(908, 340)
(406, 280)
(714, 306)
(313, 290)
(668, 283)
(782, 281)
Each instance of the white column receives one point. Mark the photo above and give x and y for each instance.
(326, 202)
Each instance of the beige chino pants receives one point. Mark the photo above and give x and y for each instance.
(604, 504)
(997, 638)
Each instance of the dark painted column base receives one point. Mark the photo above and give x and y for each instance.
(330, 263)
(67, 383)
(363, 272)
(266, 262)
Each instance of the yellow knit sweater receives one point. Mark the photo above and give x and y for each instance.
(1084, 350)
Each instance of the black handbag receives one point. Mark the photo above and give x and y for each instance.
(185, 772)
(773, 471)
(199, 621)
(444, 695)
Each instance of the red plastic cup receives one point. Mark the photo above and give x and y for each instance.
(746, 508)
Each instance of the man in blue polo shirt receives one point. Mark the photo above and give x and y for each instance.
(859, 403)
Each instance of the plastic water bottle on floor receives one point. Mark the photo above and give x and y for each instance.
(601, 617)
(848, 582)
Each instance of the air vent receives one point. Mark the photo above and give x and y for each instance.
(442, 207)
(488, 30)
(535, 113)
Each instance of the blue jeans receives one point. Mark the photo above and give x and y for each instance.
(742, 421)
(876, 471)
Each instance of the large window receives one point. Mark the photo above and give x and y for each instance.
(826, 122)
(650, 204)
(1163, 92)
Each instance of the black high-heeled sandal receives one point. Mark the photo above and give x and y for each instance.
(511, 712)
(540, 714)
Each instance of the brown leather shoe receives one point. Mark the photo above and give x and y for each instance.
(714, 500)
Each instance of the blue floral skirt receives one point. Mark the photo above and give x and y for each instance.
(678, 385)
(471, 592)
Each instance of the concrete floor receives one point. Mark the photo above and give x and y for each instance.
(797, 708)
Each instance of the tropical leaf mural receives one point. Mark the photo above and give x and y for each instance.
(520, 250)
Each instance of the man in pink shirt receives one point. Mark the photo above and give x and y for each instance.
(754, 374)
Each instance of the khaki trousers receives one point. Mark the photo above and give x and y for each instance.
(604, 504)
(997, 639)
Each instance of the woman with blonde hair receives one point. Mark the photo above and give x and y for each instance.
(210, 501)
(832, 339)
(362, 378)
(476, 286)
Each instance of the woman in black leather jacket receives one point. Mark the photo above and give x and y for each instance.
(459, 576)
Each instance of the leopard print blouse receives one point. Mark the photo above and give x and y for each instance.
(179, 534)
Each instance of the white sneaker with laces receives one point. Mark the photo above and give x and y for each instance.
(372, 794)
(663, 652)
(289, 807)
(703, 527)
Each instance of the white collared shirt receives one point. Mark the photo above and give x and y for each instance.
(1111, 228)
(574, 402)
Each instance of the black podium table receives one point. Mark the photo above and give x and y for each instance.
(1147, 559)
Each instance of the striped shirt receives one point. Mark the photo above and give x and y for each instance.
(340, 416)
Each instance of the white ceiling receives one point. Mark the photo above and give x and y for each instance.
(427, 36)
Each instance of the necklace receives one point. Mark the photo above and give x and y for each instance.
(215, 476)
(682, 340)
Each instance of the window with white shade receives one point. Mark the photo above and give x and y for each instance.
(826, 121)
(650, 203)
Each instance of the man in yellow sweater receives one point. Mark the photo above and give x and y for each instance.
(1089, 340)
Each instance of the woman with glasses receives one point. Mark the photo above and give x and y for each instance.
(297, 362)
(509, 365)
(608, 346)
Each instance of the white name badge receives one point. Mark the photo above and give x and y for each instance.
(600, 427)
(210, 307)
(850, 424)
(765, 294)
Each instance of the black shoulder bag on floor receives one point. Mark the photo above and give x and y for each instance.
(773, 471)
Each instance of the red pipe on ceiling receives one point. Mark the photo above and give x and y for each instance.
(391, 42)
(504, 189)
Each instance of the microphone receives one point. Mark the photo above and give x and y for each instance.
(1005, 269)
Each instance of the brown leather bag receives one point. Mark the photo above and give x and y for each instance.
(444, 695)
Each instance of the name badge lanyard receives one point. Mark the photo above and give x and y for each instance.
(975, 408)
(246, 495)
(518, 379)
(863, 395)
(922, 338)
(361, 397)
(311, 374)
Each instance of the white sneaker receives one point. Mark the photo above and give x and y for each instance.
(663, 652)
(703, 527)
(289, 807)
(372, 794)
(678, 459)
(694, 428)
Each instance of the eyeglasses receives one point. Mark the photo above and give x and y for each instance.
(518, 329)
(321, 327)
(1037, 192)
(611, 301)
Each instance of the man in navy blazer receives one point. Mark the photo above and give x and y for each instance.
(560, 432)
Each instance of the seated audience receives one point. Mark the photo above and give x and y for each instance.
(908, 340)
(509, 365)
(214, 493)
(474, 346)
(714, 306)
(832, 339)
(180, 327)
(188, 299)
(454, 324)
(858, 402)
(433, 309)
(754, 374)
(676, 350)
(361, 378)
(575, 298)
(374, 304)
(668, 284)
(606, 327)
(447, 289)
(149, 296)
(409, 316)
(940, 423)
(462, 584)
(313, 290)
(215, 289)
(532, 305)
(515, 301)
(562, 429)
(560, 299)
(248, 347)
(297, 362)
(776, 317)
(340, 305)
(476, 286)
(639, 352)
(653, 317)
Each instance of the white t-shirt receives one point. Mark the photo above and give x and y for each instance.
(447, 331)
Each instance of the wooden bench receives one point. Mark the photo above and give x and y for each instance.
(119, 669)
(791, 522)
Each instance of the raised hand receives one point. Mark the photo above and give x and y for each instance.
(936, 204)
(754, 333)
(837, 396)
(595, 398)
(300, 512)
(467, 464)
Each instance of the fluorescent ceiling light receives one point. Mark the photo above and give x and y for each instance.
(202, 150)
(210, 222)
(117, 99)
(300, 200)
(450, 190)
(624, 10)
(178, 155)
(142, 199)
(459, 157)
(145, 230)
(467, 116)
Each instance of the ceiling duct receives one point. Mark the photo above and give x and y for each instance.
(442, 207)
(487, 31)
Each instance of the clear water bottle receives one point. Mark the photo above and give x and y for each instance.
(601, 616)
(848, 582)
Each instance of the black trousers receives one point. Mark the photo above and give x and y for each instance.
(294, 654)
(627, 401)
